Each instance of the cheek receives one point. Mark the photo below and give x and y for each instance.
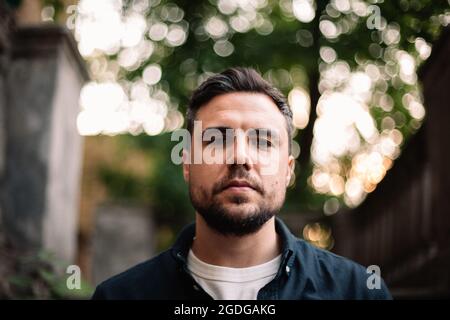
(275, 187)
(204, 174)
(275, 165)
(279, 191)
(275, 179)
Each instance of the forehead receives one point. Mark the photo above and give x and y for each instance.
(243, 110)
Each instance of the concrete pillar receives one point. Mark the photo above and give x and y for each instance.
(5, 31)
(40, 189)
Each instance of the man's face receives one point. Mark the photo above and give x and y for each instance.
(239, 194)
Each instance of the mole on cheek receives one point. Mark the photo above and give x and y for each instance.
(274, 185)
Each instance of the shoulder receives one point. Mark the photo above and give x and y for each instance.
(139, 282)
(338, 276)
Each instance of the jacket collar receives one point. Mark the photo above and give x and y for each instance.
(183, 243)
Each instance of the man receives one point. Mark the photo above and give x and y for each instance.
(237, 248)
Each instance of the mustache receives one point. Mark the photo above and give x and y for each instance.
(238, 173)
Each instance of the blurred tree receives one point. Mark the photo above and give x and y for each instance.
(359, 55)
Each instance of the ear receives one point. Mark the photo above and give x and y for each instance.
(290, 169)
(186, 164)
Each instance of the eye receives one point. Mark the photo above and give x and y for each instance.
(221, 140)
(260, 142)
(264, 143)
(213, 141)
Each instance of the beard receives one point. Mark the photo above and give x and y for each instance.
(221, 219)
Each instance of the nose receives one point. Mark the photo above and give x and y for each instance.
(240, 149)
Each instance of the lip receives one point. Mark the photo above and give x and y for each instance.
(239, 185)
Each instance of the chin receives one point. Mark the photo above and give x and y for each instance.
(241, 209)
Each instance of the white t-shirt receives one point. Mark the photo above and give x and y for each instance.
(225, 283)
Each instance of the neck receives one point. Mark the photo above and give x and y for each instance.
(235, 251)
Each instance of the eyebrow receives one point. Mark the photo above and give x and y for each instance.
(270, 133)
(221, 129)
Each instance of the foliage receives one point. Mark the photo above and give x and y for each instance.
(37, 276)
